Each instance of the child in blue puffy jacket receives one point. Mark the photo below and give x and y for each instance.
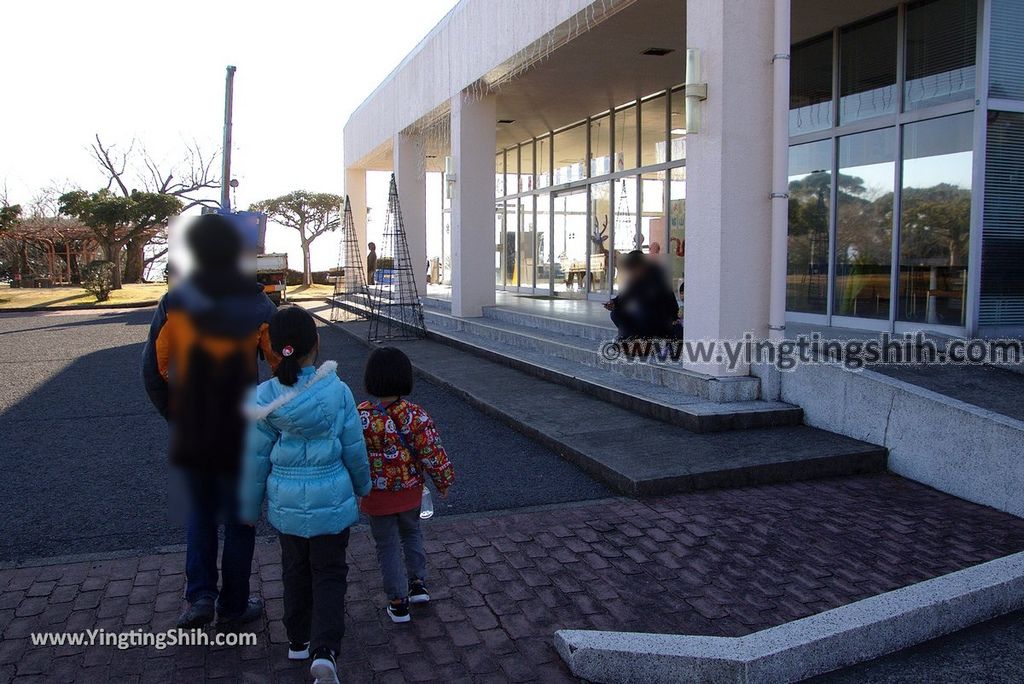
(305, 452)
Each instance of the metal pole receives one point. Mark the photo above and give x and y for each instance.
(225, 172)
(780, 172)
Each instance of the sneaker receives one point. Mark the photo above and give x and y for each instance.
(399, 611)
(199, 614)
(298, 650)
(253, 610)
(324, 669)
(418, 592)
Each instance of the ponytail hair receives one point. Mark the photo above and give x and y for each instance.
(292, 337)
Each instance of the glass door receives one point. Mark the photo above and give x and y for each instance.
(569, 220)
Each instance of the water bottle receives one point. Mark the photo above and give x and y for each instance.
(426, 505)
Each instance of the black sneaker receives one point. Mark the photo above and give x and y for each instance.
(418, 592)
(253, 610)
(324, 669)
(199, 614)
(298, 650)
(398, 611)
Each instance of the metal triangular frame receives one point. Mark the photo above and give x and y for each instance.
(396, 312)
(351, 300)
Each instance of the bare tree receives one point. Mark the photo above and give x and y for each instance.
(188, 180)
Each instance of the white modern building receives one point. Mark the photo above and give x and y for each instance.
(826, 162)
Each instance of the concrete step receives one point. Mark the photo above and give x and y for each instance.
(588, 353)
(560, 359)
(633, 453)
(561, 326)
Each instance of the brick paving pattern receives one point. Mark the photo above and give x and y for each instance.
(723, 563)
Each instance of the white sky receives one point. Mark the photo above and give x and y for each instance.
(155, 72)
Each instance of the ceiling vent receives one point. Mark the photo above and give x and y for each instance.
(657, 51)
(506, 121)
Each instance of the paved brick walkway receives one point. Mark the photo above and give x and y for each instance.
(722, 562)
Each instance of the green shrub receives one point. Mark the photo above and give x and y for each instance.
(98, 279)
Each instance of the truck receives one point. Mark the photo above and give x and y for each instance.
(272, 273)
(272, 268)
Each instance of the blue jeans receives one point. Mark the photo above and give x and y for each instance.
(213, 500)
(396, 535)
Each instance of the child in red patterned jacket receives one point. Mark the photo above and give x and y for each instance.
(402, 444)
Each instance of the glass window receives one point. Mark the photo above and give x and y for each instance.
(677, 126)
(511, 263)
(652, 211)
(544, 162)
(935, 219)
(499, 234)
(677, 225)
(570, 240)
(810, 202)
(940, 52)
(543, 236)
(1006, 78)
(600, 145)
(863, 255)
(627, 232)
(600, 235)
(499, 175)
(526, 167)
(1002, 278)
(867, 69)
(527, 243)
(625, 138)
(570, 154)
(653, 145)
(512, 171)
(810, 86)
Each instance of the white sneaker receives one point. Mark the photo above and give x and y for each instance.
(324, 669)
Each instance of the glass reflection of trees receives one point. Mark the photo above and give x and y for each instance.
(809, 201)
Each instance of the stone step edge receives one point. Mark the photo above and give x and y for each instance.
(811, 646)
(468, 324)
(827, 466)
(684, 416)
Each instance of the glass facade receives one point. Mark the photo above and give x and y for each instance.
(880, 195)
(810, 201)
(571, 201)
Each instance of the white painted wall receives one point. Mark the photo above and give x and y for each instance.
(412, 196)
(473, 141)
(474, 39)
(355, 189)
(728, 174)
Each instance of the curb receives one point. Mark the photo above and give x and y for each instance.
(83, 309)
(814, 645)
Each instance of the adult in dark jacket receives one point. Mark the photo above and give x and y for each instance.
(645, 307)
(198, 364)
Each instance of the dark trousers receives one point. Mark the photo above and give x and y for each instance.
(640, 324)
(213, 501)
(315, 578)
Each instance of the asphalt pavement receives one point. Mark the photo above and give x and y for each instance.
(83, 455)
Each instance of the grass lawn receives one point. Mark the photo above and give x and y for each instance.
(301, 292)
(47, 297)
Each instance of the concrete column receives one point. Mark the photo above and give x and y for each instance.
(410, 174)
(355, 188)
(728, 173)
(473, 141)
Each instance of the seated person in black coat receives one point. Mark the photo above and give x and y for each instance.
(645, 307)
